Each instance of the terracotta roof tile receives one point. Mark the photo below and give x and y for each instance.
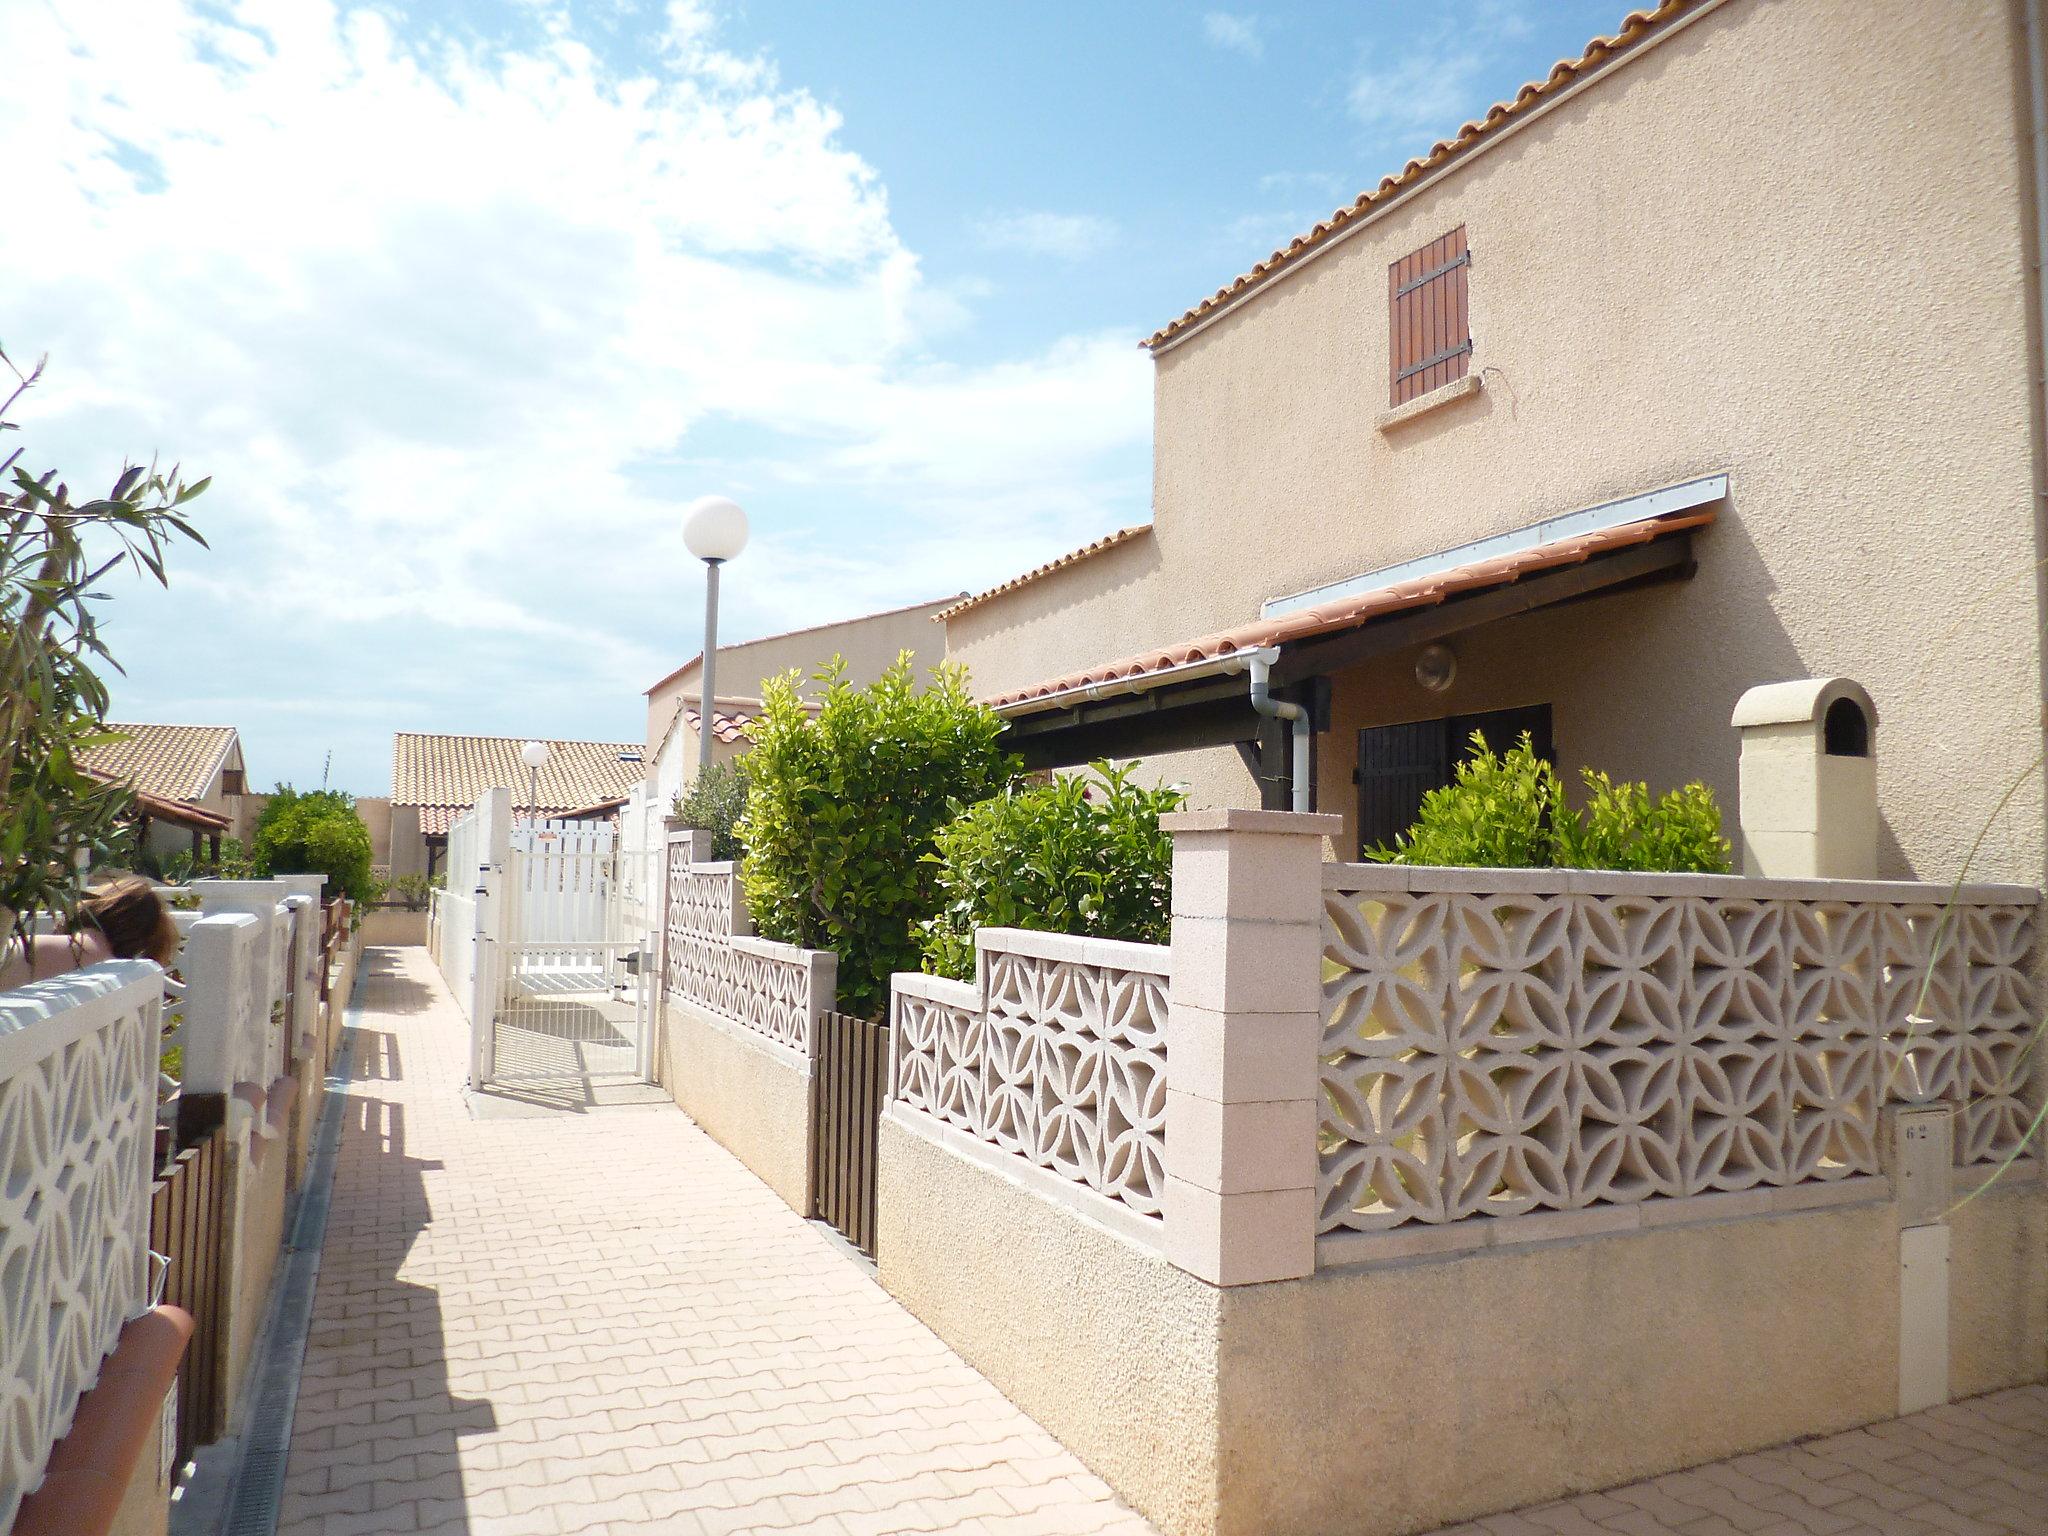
(728, 724)
(175, 762)
(1600, 52)
(446, 775)
(1361, 607)
(1072, 557)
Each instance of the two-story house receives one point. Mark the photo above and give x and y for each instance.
(1711, 359)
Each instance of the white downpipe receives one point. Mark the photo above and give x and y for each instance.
(1295, 716)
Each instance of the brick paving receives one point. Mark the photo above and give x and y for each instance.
(600, 1322)
(591, 1322)
(1975, 1468)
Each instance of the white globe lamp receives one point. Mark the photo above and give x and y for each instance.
(535, 755)
(715, 529)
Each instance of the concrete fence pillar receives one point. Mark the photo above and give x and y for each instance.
(1244, 1023)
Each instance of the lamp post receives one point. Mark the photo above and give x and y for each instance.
(715, 529)
(535, 755)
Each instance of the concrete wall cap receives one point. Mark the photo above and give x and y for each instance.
(1801, 701)
(1308, 824)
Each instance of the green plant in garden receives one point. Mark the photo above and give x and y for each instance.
(714, 803)
(56, 819)
(316, 832)
(844, 805)
(1082, 854)
(1494, 814)
(413, 890)
(1508, 811)
(1621, 827)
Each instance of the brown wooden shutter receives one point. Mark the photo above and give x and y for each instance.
(1429, 331)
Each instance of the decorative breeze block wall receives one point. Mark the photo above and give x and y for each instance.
(78, 1078)
(711, 960)
(1502, 1042)
(1056, 1055)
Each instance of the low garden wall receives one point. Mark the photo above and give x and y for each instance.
(1387, 1197)
(739, 1022)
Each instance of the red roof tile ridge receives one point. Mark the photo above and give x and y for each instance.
(1598, 53)
(1060, 562)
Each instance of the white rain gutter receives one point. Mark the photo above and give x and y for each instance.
(1295, 716)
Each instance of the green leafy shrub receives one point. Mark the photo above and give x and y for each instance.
(1508, 811)
(714, 803)
(1623, 828)
(1078, 855)
(843, 807)
(317, 832)
(412, 890)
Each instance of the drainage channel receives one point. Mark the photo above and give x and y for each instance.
(257, 1488)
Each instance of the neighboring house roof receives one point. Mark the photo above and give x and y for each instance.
(445, 775)
(1072, 557)
(173, 762)
(790, 634)
(602, 811)
(1355, 609)
(1598, 54)
(179, 813)
(731, 720)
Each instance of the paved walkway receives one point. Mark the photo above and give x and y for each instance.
(1976, 1468)
(600, 1322)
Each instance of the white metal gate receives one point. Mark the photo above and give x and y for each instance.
(572, 969)
(572, 1010)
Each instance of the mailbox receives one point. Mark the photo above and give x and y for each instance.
(1809, 780)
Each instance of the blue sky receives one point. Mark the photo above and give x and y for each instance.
(460, 305)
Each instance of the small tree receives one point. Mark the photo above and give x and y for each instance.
(56, 819)
(1078, 855)
(317, 833)
(714, 803)
(844, 806)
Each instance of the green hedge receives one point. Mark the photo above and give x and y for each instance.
(1508, 811)
(844, 805)
(1082, 854)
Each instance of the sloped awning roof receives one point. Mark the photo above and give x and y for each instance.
(1350, 612)
(177, 813)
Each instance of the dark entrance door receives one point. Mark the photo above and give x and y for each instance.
(1399, 764)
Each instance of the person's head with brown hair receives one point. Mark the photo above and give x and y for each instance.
(128, 912)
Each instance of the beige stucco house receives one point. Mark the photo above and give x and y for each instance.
(1710, 360)
(190, 782)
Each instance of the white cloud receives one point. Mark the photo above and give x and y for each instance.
(458, 322)
(1061, 236)
(1429, 91)
(1237, 34)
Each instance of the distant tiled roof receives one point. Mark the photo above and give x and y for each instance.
(1359, 607)
(1600, 52)
(1071, 557)
(446, 775)
(173, 762)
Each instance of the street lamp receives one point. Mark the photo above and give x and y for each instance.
(535, 755)
(715, 529)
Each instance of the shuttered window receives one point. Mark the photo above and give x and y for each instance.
(1429, 329)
